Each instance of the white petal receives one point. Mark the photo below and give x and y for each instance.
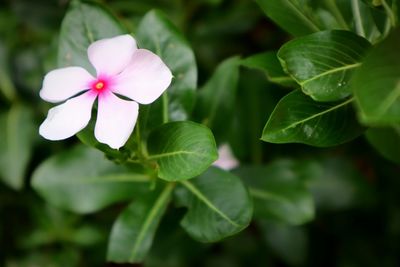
(110, 56)
(116, 119)
(61, 84)
(145, 79)
(67, 119)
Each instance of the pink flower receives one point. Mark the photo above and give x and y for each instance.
(122, 69)
(226, 160)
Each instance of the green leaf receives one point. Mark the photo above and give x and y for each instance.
(83, 181)
(268, 62)
(376, 83)
(386, 141)
(290, 15)
(299, 119)
(133, 231)
(218, 205)
(323, 63)
(84, 23)
(279, 192)
(182, 150)
(216, 99)
(156, 33)
(16, 141)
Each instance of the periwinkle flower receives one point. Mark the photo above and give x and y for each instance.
(122, 70)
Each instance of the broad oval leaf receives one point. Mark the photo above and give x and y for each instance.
(268, 62)
(299, 119)
(84, 181)
(133, 231)
(84, 23)
(156, 33)
(16, 141)
(218, 205)
(279, 192)
(182, 150)
(376, 83)
(323, 63)
(216, 100)
(290, 15)
(386, 141)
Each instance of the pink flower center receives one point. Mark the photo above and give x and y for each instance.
(101, 85)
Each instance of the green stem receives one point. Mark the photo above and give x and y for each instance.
(355, 5)
(337, 13)
(165, 107)
(389, 13)
(138, 139)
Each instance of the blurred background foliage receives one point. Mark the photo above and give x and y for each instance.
(356, 192)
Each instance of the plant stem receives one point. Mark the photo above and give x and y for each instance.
(389, 13)
(355, 5)
(337, 13)
(165, 107)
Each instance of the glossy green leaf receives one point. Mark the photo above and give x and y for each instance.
(84, 181)
(218, 205)
(376, 83)
(156, 33)
(182, 150)
(133, 231)
(17, 136)
(216, 99)
(268, 62)
(294, 17)
(84, 23)
(323, 63)
(386, 141)
(299, 119)
(279, 192)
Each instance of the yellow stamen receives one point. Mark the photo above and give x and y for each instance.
(99, 85)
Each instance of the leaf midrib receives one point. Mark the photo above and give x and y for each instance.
(158, 205)
(174, 153)
(265, 195)
(208, 203)
(317, 115)
(389, 100)
(310, 23)
(331, 71)
(103, 179)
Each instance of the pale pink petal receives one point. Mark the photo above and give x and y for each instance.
(116, 119)
(61, 84)
(67, 119)
(226, 160)
(145, 79)
(111, 55)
